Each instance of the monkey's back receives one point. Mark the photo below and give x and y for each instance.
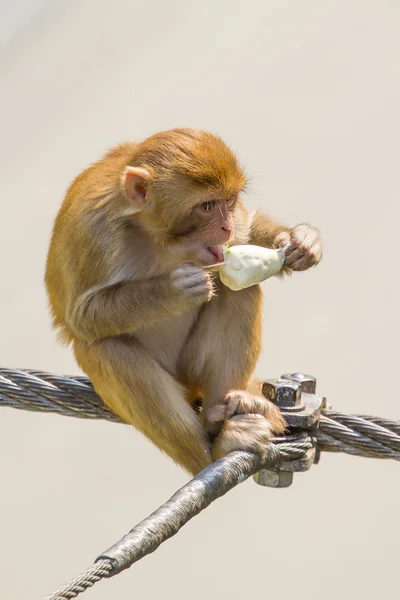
(79, 229)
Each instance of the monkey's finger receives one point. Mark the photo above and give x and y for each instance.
(187, 279)
(304, 262)
(253, 404)
(223, 410)
(304, 235)
(310, 258)
(215, 419)
(201, 294)
(316, 251)
(201, 291)
(282, 239)
(300, 261)
(186, 270)
(293, 255)
(195, 280)
(243, 432)
(203, 283)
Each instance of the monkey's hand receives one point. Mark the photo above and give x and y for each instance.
(242, 421)
(191, 285)
(305, 248)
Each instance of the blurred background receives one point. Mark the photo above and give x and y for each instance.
(308, 94)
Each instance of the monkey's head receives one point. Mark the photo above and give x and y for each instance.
(185, 184)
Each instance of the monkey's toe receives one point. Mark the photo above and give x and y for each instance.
(249, 432)
(238, 403)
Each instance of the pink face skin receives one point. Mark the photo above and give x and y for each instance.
(215, 226)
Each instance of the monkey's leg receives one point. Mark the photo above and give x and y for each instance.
(220, 357)
(224, 345)
(143, 394)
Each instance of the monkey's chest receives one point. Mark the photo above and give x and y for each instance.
(166, 339)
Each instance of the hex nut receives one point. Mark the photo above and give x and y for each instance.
(275, 479)
(308, 382)
(283, 393)
(301, 464)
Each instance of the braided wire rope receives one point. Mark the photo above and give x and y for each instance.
(94, 574)
(34, 390)
(359, 435)
(74, 396)
(212, 483)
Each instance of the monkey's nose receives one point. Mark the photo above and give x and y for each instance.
(228, 233)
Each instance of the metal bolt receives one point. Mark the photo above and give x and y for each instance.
(284, 393)
(317, 455)
(275, 479)
(308, 382)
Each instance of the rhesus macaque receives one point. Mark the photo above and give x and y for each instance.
(152, 327)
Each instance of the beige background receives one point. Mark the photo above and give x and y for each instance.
(308, 93)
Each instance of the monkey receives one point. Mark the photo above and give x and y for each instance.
(133, 287)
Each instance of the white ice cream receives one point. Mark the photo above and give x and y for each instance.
(248, 265)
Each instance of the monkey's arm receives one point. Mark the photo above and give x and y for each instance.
(305, 249)
(114, 309)
(264, 230)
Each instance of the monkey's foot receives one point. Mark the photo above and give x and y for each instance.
(242, 421)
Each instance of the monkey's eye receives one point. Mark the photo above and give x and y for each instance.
(231, 200)
(208, 206)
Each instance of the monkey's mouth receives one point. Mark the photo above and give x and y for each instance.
(217, 253)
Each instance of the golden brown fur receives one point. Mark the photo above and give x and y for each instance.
(152, 327)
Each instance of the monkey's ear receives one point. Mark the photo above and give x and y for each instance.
(134, 183)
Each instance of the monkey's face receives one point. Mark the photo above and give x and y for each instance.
(201, 218)
(212, 226)
(185, 184)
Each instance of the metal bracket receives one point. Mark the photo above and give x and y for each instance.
(295, 394)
